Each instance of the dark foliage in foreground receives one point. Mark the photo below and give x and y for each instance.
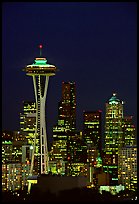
(74, 195)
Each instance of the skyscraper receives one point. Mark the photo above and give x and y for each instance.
(92, 128)
(128, 131)
(76, 154)
(28, 122)
(66, 121)
(127, 167)
(113, 126)
(67, 105)
(113, 136)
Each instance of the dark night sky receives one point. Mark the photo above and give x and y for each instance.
(93, 44)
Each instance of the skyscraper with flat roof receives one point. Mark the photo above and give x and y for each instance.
(128, 131)
(28, 122)
(67, 105)
(92, 134)
(66, 120)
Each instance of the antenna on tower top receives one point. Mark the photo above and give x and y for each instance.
(40, 46)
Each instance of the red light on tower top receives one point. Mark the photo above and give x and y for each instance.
(40, 46)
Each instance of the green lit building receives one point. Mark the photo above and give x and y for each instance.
(113, 137)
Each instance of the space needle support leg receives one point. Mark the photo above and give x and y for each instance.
(44, 147)
(34, 144)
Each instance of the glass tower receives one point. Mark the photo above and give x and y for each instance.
(67, 105)
(113, 125)
(92, 128)
(113, 137)
(66, 120)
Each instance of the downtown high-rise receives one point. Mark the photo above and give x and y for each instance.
(92, 130)
(113, 136)
(66, 120)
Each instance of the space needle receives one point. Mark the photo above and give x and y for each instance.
(40, 70)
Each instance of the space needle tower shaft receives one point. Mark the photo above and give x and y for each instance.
(40, 71)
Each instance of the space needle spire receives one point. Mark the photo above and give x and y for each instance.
(40, 46)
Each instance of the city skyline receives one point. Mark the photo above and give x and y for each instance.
(107, 46)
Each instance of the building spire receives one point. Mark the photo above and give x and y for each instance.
(40, 46)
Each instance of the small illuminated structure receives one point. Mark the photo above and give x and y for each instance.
(112, 189)
(40, 70)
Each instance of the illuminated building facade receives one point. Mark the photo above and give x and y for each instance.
(66, 122)
(92, 121)
(59, 147)
(18, 136)
(76, 155)
(14, 176)
(113, 137)
(67, 105)
(128, 131)
(7, 136)
(40, 70)
(113, 125)
(28, 122)
(7, 149)
(127, 167)
(57, 167)
(27, 154)
(12, 147)
(17, 151)
(92, 128)
(112, 189)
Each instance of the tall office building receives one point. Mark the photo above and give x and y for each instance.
(66, 121)
(28, 121)
(113, 126)
(127, 167)
(113, 136)
(92, 128)
(76, 154)
(67, 105)
(128, 131)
